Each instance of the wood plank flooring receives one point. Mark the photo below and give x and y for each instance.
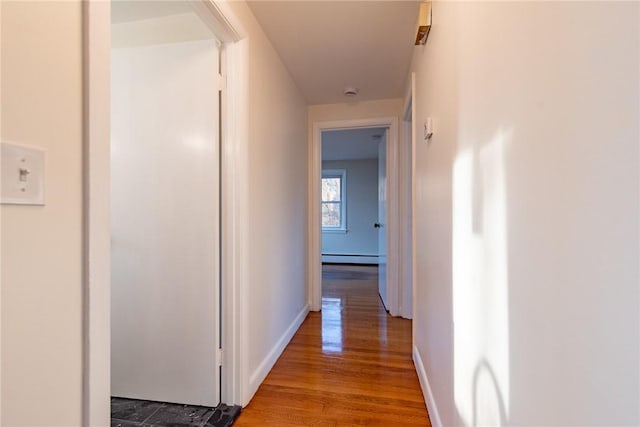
(348, 365)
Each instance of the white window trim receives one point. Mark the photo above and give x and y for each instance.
(342, 174)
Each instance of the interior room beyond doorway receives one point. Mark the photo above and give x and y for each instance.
(350, 195)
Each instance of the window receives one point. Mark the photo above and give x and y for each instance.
(333, 200)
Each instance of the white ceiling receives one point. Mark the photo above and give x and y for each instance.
(136, 10)
(327, 45)
(351, 144)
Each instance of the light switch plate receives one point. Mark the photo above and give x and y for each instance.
(22, 174)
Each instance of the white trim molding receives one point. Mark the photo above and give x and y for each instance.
(407, 187)
(96, 313)
(414, 181)
(261, 372)
(315, 216)
(350, 259)
(434, 415)
(234, 191)
(218, 16)
(1, 238)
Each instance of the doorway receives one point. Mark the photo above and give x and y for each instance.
(389, 192)
(353, 205)
(97, 242)
(165, 204)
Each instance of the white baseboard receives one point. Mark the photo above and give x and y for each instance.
(350, 259)
(426, 389)
(263, 369)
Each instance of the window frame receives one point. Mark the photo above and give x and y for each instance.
(342, 174)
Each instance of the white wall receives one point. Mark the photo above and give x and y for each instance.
(353, 111)
(181, 27)
(164, 221)
(527, 213)
(41, 245)
(362, 210)
(276, 214)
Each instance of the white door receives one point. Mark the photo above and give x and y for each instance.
(382, 220)
(165, 223)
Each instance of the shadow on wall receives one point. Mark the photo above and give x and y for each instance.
(480, 283)
(488, 402)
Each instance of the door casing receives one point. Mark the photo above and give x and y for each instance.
(393, 212)
(383, 290)
(408, 195)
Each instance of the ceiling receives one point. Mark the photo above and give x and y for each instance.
(351, 144)
(328, 45)
(136, 10)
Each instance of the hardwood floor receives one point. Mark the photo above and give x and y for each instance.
(348, 365)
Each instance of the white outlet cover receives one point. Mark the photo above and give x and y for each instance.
(22, 174)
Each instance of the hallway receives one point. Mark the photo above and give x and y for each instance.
(348, 365)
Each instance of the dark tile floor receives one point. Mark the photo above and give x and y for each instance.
(144, 413)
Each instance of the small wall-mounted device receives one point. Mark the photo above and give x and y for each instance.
(428, 129)
(350, 91)
(22, 175)
(424, 23)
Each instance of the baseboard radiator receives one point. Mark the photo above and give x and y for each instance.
(349, 259)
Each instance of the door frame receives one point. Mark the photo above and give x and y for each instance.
(96, 288)
(407, 151)
(393, 213)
